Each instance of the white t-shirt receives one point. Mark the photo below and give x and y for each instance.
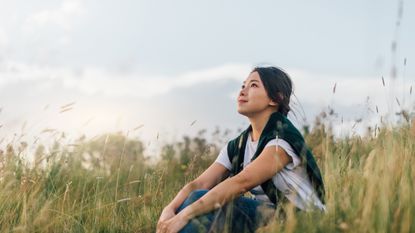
(292, 180)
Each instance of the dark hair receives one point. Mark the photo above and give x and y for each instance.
(278, 86)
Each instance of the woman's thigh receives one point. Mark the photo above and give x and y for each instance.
(240, 215)
(246, 215)
(201, 223)
(193, 196)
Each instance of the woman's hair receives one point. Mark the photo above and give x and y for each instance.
(278, 86)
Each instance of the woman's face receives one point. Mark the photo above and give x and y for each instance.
(253, 97)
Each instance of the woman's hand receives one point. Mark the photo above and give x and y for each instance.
(166, 214)
(172, 225)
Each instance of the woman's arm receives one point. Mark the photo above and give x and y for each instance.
(213, 175)
(268, 163)
(209, 178)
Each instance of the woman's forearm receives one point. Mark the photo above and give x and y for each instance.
(215, 198)
(182, 195)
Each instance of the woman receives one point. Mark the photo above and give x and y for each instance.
(269, 161)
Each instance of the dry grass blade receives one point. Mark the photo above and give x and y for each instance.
(48, 130)
(383, 81)
(193, 122)
(397, 101)
(334, 88)
(357, 121)
(65, 110)
(135, 181)
(88, 121)
(377, 110)
(138, 127)
(354, 125)
(24, 126)
(67, 105)
(405, 114)
(124, 199)
(410, 90)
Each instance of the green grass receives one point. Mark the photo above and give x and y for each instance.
(107, 185)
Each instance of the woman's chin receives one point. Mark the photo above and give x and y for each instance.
(242, 112)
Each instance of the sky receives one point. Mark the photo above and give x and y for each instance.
(158, 70)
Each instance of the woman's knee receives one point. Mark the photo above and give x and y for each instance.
(196, 194)
(192, 197)
(200, 224)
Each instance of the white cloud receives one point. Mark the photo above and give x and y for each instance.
(310, 88)
(317, 89)
(135, 98)
(61, 16)
(3, 39)
(94, 80)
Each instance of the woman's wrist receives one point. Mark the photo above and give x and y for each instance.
(169, 207)
(186, 213)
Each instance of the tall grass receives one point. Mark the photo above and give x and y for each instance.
(106, 184)
(369, 184)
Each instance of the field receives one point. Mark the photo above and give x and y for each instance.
(105, 184)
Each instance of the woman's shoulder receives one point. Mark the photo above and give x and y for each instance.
(296, 160)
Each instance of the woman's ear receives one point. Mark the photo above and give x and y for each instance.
(280, 98)
(273, 103)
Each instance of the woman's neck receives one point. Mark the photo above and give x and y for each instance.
(258, 123)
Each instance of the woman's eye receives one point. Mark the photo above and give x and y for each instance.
(253, 84)
(243, 86)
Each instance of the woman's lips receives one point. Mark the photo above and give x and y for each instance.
(242, 101)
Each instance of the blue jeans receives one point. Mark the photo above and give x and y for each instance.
(240, 215)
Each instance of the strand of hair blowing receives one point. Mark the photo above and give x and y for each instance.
(278, 85)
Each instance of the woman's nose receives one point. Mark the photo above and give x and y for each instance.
(242, 91)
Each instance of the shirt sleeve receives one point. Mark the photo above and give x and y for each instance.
(223, 158)
(288, 149)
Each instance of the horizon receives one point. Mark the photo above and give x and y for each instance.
(119, 66)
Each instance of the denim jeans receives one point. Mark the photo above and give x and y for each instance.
(240, 215)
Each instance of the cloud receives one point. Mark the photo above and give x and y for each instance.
(97, 80)
(122, 101)
(318, 89)
(310, 88)
(61, 16)
(93, 80)
(3, 39)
